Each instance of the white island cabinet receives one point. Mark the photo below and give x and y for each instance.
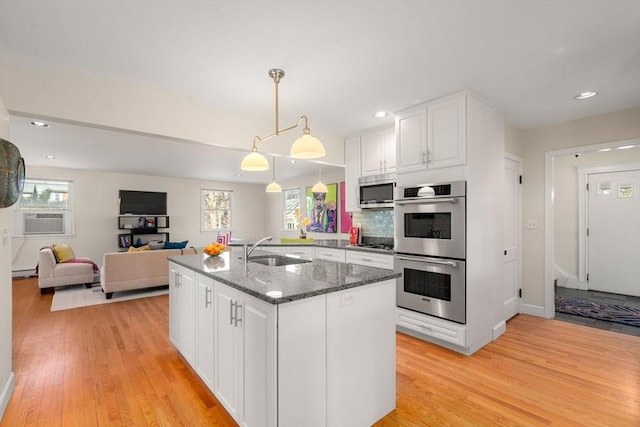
(321, 360)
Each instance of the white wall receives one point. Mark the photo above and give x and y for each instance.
(274, 203)
(565, 189)
(6, 347)
(96, 211)
(616, 126)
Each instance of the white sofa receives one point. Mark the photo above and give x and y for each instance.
(52, 273)
(123, 271)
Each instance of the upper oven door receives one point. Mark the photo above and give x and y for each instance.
(431, 226)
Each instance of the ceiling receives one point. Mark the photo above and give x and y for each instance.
(344, 60)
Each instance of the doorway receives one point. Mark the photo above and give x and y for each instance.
(566, 223)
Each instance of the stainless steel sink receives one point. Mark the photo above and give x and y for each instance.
(277, 260)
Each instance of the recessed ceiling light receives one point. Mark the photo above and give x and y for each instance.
(604, 149)
(380, 114)
(292, 160)
(586, 95)
(40, 124)
(624, 147)
(49, 156)
(238, 174)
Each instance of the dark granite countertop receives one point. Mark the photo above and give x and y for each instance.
(277, 285)
(327, 243)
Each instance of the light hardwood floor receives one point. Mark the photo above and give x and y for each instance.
(113, 364)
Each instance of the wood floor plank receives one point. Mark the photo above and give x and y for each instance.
(113, 364)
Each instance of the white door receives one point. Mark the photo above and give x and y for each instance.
(512, 237)
(614, 232)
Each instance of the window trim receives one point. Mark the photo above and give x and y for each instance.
(202, 209)
(19, 212)
(284, 207)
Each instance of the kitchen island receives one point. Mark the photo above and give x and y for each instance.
(310, 342)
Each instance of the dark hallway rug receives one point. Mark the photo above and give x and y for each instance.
(600, 311)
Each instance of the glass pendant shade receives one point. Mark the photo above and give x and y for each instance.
(307, 147)
(254, 161)
(319, 187)
(274, 187)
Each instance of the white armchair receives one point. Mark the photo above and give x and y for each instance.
(52, 273)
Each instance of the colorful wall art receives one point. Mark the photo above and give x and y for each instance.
(345, 217)
(322, 208)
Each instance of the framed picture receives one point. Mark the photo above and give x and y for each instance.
(345, 217)
(322, 209)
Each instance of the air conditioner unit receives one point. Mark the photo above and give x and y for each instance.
(43, 223)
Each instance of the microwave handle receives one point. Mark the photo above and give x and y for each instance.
(428, 260)
(427, 201)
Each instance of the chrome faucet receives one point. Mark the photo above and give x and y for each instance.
(248, 250)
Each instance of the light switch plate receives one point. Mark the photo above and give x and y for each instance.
(532, 224)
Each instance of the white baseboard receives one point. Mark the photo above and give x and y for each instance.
(7, 391)
(566, 280)
(534, 310)
(498, 330)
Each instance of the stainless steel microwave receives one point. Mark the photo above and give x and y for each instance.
(376, 191)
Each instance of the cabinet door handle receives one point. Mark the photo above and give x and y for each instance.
(231, 310)
(237, 319)
(428, 156)
(207, 300)
(423, 157)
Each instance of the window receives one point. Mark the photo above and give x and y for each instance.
(216, 210)
(45, 195)
(44, 207)
(291, 203)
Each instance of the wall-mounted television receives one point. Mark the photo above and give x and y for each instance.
(143, 202)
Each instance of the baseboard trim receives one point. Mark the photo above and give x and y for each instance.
(534, 310)
(7, 391)
(498, 330)
(23, 273)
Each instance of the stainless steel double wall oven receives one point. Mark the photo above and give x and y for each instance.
(430, 244)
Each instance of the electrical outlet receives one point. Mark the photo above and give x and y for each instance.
(347, 299)
(532, 224)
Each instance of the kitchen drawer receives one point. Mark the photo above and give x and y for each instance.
(370, 259)
(432, 327)
(301, 251)
(330, 254)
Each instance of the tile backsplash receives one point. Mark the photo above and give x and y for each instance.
(374, 222)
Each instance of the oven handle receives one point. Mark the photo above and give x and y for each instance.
(427, 201)
(453, 264)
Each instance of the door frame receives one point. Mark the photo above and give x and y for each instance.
(549, 156)
(583, 212)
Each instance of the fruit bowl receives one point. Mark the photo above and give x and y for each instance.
(214, 249)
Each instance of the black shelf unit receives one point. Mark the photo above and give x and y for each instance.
(142, 227)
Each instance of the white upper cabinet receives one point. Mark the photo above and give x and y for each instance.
(447, 132)
(378, 152)
(432, 135)
(352, 174)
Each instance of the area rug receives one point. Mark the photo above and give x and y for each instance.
(600, 311)
(79, 296)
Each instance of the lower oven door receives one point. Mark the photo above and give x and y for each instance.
(433, 286)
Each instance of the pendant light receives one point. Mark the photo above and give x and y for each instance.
(319, 187)
(274, 187)
(254, 161)
(305, 147)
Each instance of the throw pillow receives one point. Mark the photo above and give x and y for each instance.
(140, 249)
(176, 245)
(63, 252)
(156, 245)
